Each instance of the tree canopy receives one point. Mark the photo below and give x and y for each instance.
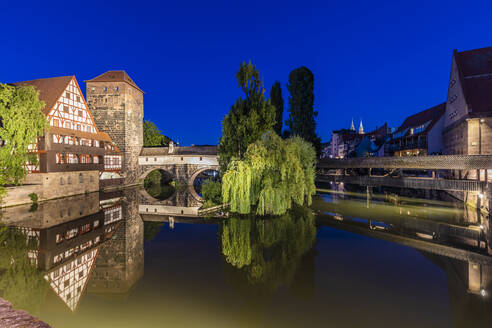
(153, 137)
(277, 101)
(21, 122)
(301, 121)
(273, 175)
(247, 119)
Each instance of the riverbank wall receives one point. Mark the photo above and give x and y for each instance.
(10, 318)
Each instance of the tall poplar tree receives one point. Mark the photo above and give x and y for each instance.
(278, 102)
(247, 119)
(301, 121)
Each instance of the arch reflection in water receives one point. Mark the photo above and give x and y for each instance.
(265, 253)
(160, 184)
(202, 177)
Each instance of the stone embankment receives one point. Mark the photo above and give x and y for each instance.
(10, 318)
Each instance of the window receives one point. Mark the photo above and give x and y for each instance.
(56, 123)
(79, 127)
(78, 98)
(453, 99)
(69, 181)
(67, 283)
(81, 178)
(67, 95)
(65, 108)
(105, 89)
(96, 224)
(59, 238)
(93, 89)
(116, 89)
(61, 179)
(68, 125)
(80, 113)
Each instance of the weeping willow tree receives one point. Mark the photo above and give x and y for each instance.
(266, 252)
(274, 175)
(21, 283)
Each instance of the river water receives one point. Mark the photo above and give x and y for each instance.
(121, 260)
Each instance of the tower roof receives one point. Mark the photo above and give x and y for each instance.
(352, 127)
(50, 89)
(115, 76)
(361, 128)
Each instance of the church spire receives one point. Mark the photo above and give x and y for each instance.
(352, 127)
(361, 128)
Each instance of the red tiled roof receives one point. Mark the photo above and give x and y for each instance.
(50, 89)
(474, 62)
(432, 114)
(114, 76)
(475, 68)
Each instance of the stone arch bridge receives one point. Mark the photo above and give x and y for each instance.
(183, 164)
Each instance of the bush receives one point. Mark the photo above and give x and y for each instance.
(212, 192)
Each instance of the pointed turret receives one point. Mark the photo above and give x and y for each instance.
(361, 128)
(352, 127)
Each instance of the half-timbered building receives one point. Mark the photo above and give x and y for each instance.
(73, 142)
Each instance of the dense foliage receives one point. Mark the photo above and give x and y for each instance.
(301, 121)
(267, 252)
(21, 283)
(273, 175)
(21, 122)
(153, 137)
(277, 101)
(211, 193)
(247, 119)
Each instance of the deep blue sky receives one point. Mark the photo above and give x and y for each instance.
(375, 60)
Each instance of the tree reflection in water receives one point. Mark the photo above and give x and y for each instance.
(266, 252)
(20, 281)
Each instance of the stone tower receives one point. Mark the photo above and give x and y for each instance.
(116, 103)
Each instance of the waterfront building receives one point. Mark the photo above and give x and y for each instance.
(73, 153)
(419, 134)
(345, 141)
(468, 116)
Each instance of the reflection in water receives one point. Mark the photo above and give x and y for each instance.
(20, 280)
(88, 252)
(268, 251)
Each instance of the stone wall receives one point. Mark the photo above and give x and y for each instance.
(117, 109)
(52, 185)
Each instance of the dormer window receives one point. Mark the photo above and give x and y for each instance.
(105, 89)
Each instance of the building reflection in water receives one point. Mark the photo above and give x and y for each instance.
(70, 234)
(457, 239)
(95, 243)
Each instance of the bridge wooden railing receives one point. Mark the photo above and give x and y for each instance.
(443, 162)
(407, 182)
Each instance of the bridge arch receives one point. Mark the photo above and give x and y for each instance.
(191, 181)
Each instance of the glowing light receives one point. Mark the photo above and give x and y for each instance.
(481, 226)
(480, 195)
(482, 120)
(483, 292)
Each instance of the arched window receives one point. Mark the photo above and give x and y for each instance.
(69, 180)
(61, 180)
(81, 178)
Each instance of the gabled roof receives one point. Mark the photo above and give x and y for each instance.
(475, 69)
(50, 89)
(431, 115)
(115, 76)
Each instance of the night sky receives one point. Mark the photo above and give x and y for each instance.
(375, 60)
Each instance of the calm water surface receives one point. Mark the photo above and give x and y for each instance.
(113, 260)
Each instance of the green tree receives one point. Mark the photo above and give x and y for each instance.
(21, 123)
(247, 119)
(301, 121)
(278, 102)
(153, 136)
(273, 175)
